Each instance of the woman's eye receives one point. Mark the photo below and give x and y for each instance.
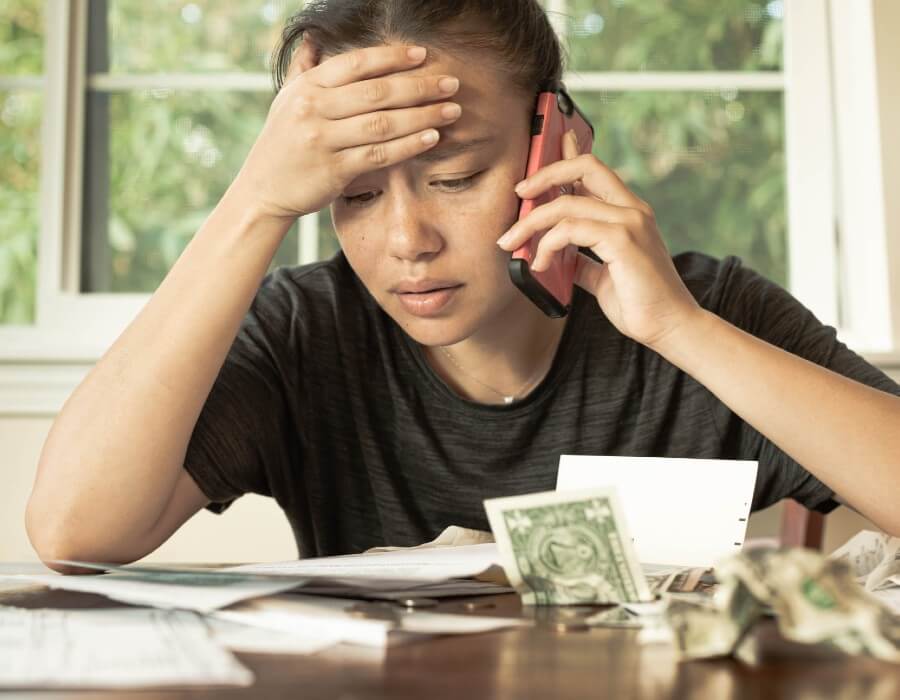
(449, 185)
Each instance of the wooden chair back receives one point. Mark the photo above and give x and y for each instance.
(801, 527)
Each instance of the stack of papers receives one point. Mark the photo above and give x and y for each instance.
(197, 615)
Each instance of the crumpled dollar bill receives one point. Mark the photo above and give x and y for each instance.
(813, 598)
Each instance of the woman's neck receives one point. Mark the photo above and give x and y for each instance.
(504, 360)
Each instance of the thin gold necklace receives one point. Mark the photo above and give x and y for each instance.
(507, 398)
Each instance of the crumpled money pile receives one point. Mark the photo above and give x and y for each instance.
(814, 599)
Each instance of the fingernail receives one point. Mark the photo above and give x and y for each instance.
(521, 186)
(504, 239)
(451, 111)
(417, 53)
(448, 84)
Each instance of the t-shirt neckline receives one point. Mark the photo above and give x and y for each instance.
(560, 365)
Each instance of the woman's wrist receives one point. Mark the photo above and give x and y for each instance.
(683, 344)
(247, 208)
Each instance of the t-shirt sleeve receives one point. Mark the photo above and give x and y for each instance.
(243, 440)
(761, 307)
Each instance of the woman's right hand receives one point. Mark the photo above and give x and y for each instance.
(335, 120)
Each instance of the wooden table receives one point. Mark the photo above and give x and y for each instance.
(536, 662)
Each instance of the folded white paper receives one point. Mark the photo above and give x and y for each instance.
(681, 512)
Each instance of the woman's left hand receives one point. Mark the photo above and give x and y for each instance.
(637, 285)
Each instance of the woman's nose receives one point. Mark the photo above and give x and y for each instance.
(412, 235)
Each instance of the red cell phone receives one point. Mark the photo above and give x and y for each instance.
(555, 114)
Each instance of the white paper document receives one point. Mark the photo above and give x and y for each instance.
(202, 595)
(424, 565)
(261, 640)
(423, 572)
(111, 648)
(681, 512)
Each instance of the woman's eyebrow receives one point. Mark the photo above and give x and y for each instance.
(450, 148)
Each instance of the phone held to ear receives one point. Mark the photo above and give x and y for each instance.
(556, 113)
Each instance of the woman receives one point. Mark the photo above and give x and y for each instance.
(382, 395)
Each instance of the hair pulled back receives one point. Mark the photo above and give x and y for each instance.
(513, 37)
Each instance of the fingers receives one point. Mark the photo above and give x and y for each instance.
(385, 93)
(366, 107)
(596, 178)
(384, 126)
(604, 238)
(567, 206)
(590, 275)
(362, 64)
(352, 162)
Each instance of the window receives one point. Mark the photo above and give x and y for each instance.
(123, 121)
(21, 84)
(687, 103)
(176, 95)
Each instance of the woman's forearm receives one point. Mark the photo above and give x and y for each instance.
(845, 433)
(115, 451)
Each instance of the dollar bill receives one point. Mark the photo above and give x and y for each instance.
(814, 599)
(714, 626)
(567, 548)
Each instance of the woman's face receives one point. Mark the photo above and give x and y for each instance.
(434, 222)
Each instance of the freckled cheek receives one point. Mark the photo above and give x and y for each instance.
(361, 251)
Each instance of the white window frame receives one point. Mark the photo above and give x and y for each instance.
(41, 364)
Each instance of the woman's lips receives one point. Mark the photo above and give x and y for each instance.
(426, 304)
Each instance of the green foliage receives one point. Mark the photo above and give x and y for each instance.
(674, 35)
(711, 165)
(195, 36)
(21, 29)
(20, 122)
(21, 37)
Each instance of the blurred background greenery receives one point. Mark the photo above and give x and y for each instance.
(711, 164)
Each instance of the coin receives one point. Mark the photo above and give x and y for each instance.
(418, 602)
(569, 627)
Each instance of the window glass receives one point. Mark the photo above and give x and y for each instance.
(21, 56)
(158, 162)
(21, 37)
(710, 164)
(688, 35)
(20, 148)
(174, 36)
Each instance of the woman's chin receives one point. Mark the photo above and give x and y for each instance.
(435, 332)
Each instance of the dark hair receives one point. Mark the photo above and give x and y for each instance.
(515, 35)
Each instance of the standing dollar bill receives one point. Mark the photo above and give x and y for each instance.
(567, 547)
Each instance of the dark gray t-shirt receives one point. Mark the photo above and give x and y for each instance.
(326, 405)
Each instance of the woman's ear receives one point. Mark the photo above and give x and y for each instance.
(306, 55)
